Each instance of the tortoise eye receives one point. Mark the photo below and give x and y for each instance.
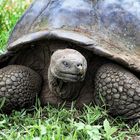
(65, 64)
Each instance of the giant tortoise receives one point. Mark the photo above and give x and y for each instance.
(83, 51)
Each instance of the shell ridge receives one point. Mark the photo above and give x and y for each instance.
(43, 9)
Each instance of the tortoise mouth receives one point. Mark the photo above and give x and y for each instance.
(70, 77)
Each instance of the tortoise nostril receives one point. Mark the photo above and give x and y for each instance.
(79, 65)
(80, 68)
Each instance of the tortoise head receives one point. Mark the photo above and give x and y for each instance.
(68, 65)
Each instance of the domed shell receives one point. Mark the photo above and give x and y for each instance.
(109, 28)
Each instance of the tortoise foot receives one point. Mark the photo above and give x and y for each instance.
(119, 90)
(19, 86)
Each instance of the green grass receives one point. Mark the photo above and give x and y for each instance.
(50, 123)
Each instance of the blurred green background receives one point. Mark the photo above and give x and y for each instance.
(10, 11)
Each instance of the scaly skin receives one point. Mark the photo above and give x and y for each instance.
(115, 87)
(19, 85)
(66, 72)
(110, 84)
(119, 90)
(65, 90)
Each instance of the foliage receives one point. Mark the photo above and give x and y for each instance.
(50, 123)
(10, 11)
(61, 124)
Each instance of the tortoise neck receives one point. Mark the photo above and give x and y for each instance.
(65, 90)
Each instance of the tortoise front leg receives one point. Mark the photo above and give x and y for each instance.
(119, 89)
(19, 86)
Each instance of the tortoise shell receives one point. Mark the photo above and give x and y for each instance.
(109, 28)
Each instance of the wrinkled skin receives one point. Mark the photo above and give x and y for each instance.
(119, 88)
(68, 65)
(67, 68)
(89, 78)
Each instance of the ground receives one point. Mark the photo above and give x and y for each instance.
(50, 123)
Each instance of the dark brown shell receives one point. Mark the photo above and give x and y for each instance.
(109, 28)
